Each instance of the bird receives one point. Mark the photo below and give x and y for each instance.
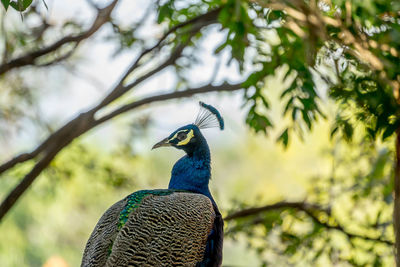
(177, 226)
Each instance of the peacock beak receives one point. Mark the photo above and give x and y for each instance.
(164, 142)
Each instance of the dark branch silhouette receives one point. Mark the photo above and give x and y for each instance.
(120, 89)
(82, 124)
(312, 210)
(103, 16)
(46, 151)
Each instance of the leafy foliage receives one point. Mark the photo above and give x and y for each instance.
(353, 48)
(345, 51)
(261, 36)
(19, 5)
(354, 204)
(79, 178)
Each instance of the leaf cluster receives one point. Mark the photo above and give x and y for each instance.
(353, 49)
(19, 5)
(349, 221)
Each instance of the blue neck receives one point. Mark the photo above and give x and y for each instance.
(193, 171)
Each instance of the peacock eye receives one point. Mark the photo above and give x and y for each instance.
(181, 136)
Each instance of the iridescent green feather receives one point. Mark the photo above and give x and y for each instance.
(136, 198)
(133, 201)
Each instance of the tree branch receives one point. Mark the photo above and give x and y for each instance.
(86, 121)
(119, 89)
(201, 21)
(60, 139)
(30, 58)
(205, 19)
(311, 210)
(279, 205)
(18, 159)
(77, 127)
(360, 49)
(226, 87)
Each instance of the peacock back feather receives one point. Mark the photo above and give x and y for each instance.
(154, 228)
(178, 226)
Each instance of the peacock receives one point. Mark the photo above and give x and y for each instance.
(178, 226)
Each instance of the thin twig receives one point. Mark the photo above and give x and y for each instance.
(85, 121)
(102, 17)
(117, 91)
(207, 18)
(177, 94)
(82, 124)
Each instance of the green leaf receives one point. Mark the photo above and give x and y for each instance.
(225, 16)
(347, 130)
(284, 138)
(264, 101)
(6, 3)
(306, 118)
(390, 129)
(258, 122)
(252, 79)
(334, 131)
(21, 5)
(164, 12)
(221, 47)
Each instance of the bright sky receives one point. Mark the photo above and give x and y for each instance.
(67, 94)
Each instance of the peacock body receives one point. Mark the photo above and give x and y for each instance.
(178, 226)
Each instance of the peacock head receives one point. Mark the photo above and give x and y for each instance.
(189, 137)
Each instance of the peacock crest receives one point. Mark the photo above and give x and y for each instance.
(178, 226)
(209, 117)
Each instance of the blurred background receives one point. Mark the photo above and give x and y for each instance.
(327, 201)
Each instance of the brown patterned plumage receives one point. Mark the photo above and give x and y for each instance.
(102, 237)
(178, 226)
(170, 230)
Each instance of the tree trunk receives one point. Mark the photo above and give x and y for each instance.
(396, 211)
